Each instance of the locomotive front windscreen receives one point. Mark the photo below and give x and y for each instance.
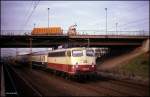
(77, 53)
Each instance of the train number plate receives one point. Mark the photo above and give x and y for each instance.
(85, 68)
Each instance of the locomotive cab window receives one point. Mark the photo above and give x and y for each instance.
(77, 53)
(69, 53)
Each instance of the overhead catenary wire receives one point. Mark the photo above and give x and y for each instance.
(135, 21)
(31, 12)
(26, 14)
(133, 26)
(129, 10)
(29, 9)
(132, 23)
(28, 18)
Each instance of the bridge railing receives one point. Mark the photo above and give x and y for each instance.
(98, 32)
(15, 32)
(81, 32)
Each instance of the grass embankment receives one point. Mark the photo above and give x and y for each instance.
(138, 66)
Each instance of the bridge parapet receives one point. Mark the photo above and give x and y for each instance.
(109, 36)
(81, 32)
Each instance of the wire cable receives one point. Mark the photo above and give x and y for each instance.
(35, 6)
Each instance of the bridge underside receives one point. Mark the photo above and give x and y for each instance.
(73, 41)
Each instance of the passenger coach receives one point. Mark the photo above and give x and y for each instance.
(39, 58)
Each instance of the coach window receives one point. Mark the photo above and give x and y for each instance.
(89, 52)
(43, 58)
(49, 54)
(40, 58)
(53, 54)
(62, 53)
(56, 54)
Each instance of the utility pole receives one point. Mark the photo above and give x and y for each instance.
(48, 17)
(34, 25)
(30, 65)
(88, 42)
(106, 20)
(116, 29)
(47, 50)
(16, 53)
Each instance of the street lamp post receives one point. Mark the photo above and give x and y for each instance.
(88, 42)
(106, 20)
(34, 25)
(48, 17)
(116, 28)
(16, 53)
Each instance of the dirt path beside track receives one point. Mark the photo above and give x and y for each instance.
(110, 63)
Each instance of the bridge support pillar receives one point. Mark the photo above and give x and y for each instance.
(145, 45)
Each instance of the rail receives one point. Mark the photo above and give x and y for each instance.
(21, 86)
(10, 88)
(2, 82)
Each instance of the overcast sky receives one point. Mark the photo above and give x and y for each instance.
(88, 15)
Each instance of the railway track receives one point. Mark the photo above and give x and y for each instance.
(118, 90)
(123, 80)
(130, 84)
(110, 87)
(40, 87)
(105, 87)
(135, 88)
(114, 87)
(48, 84)
(10, 88)
(16, 85)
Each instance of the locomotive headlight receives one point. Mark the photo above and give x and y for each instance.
(76, 64)
(73, 67)
(92, 64)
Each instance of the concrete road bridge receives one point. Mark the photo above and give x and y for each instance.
(26, 41)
